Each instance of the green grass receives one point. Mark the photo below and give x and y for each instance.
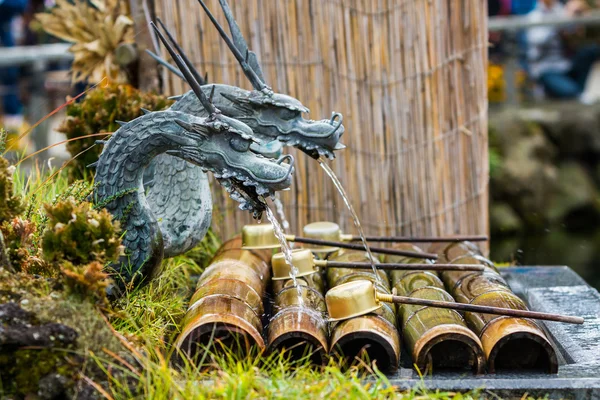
(146, 322)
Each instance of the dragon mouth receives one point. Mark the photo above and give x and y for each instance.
(250, 197)
(315, 138)
(251, 192)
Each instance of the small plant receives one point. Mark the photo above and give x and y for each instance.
(11, 205)
(99, 112)
(86, 281)
(22, 248)
(78, 234)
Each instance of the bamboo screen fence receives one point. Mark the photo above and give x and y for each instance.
(408, 76)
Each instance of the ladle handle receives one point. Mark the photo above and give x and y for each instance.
(320, 242)
(479, 309)
(422, 239)
(406, 267)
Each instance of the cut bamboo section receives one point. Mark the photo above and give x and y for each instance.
(509, 343)
(409, 78)
(438, 339)
(373, 336)
(299, 326)
(226, 309)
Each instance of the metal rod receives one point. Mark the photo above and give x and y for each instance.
(480, 309)
(405, 267)
(423, 239)
(320, 242)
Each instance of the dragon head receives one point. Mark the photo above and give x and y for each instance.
(275, 115)
(222, 145)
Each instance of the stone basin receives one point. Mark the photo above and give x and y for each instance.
(549, 289)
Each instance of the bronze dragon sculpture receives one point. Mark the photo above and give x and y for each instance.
(218, 128)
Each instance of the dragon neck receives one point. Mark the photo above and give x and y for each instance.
(120, 189)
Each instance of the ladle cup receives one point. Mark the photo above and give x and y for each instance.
(357, 298)
(331, 231)
(262, 236)
(306, 264)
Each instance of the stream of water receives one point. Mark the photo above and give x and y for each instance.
(286, 249)
(281, 213)
(357, 224)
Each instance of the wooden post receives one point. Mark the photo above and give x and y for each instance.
(147, 73)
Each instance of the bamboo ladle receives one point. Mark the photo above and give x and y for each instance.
(262, 236)
(306, 264)
(332, 231)
(358, 298)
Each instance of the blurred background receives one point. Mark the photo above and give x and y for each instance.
(543, 81)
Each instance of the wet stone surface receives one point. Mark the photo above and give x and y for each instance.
(547, 289)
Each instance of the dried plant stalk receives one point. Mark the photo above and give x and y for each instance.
(96, 30)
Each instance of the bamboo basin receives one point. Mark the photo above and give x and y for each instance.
(518, 344)
(406, 284)
(230, 287)
(288, 297)
(314, 281)
(250, 258)
(231, 269)
(508, 343)
(369, 337)
(227, 306)
(220, 321)
(301, 331)
(438, 339)
(374, 335)
(235, 243)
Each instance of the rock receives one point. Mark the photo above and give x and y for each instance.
(29, 363)
(526, 176)
(575, 131)
(575, 191)
(504, 220)
(51, 386)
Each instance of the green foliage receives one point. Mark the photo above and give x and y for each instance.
(79, 234)
(86, 281)
(97, 113)
(11, 205)
(22, 247)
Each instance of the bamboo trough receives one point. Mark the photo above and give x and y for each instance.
(509, 343)
(373, 335)
(299, 323)
(226, 309)
(438, 339)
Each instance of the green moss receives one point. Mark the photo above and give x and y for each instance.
(23, 369)
(98, 112)
(11, 205)
(79, 234)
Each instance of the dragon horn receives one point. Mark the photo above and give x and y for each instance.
(253, 77)
(195, 85)
(165, 64)
(193, 70)
(239, 41)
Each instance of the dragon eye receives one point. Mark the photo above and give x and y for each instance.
(239, 144)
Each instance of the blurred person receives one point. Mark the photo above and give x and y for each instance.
(560, 76)
(11, 105)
